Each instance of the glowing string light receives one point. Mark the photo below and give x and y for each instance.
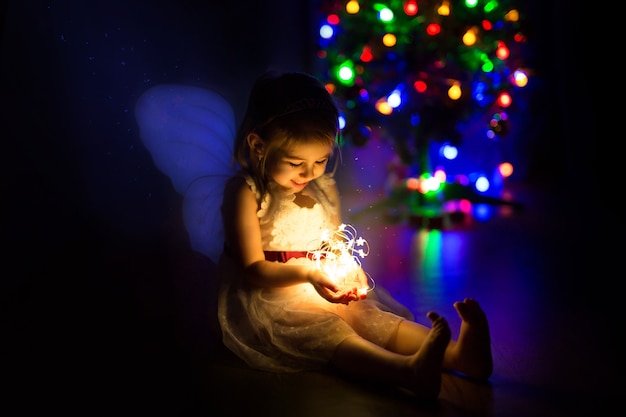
(338, 254)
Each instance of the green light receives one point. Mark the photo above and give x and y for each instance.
(432, 252)
(487, 66)
(385, 14)
(345, 73)
(491, 6)
(471, 3)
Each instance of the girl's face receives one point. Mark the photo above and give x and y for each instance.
(301, 164)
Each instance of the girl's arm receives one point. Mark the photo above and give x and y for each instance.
(243, 237)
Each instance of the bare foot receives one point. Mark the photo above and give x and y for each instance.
(473, 348)
(425, 378)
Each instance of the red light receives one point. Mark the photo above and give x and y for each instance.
(433, 29)
(518, 37)
(333, 19)
(420, 86)
(502, 52)
(366, 55)
(504, 99)
(410, 7)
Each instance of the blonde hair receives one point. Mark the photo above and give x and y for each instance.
(284, 110)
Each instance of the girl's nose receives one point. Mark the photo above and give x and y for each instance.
(308, 171)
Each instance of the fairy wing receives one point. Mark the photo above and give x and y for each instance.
(189, 133)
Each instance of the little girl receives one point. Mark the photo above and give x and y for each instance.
(276, 309)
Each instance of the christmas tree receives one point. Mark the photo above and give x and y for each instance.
(441, 80)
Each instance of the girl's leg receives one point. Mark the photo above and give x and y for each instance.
(419, 372)
(470, 355)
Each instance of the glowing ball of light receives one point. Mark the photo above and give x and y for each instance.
(410, 7)
(345, 73)
(366, 54)
(454, 92)
(389, 39)
(433, 29)
(333, 19)
(342, 122)
(420, 86)
(353, 7)
(502, 52)
(385, 14)
(469, 38)
(326, 31)
(498, 125)
(412, 184)
(505, 169)
(519, 78)
(519, 37)
(479, 91)
(383, 107)
(487, 66)
(482, 183)
(462, 179)
(440, 175)
(504, 99)
(470, 4)
(490, 6)
(482, 212)
(430, 184)
(444, 9)
(338, 253)
(394, 99)
(449, 152)
(512, 16)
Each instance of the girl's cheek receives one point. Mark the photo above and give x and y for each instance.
(281, 170)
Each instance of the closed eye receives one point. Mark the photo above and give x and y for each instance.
(293, 164)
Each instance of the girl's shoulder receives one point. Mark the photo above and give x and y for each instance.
(241, 188)
(234, 183)
(239, 183)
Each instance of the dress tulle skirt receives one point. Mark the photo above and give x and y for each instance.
(293, 328)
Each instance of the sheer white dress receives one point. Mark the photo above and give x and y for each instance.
(294, 328)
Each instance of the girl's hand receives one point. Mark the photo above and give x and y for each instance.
(328, 290)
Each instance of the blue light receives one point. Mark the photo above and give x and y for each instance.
(326, 31)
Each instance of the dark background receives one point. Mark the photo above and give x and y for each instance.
(91, 230)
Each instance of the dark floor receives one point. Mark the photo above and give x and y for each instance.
(125, 328)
